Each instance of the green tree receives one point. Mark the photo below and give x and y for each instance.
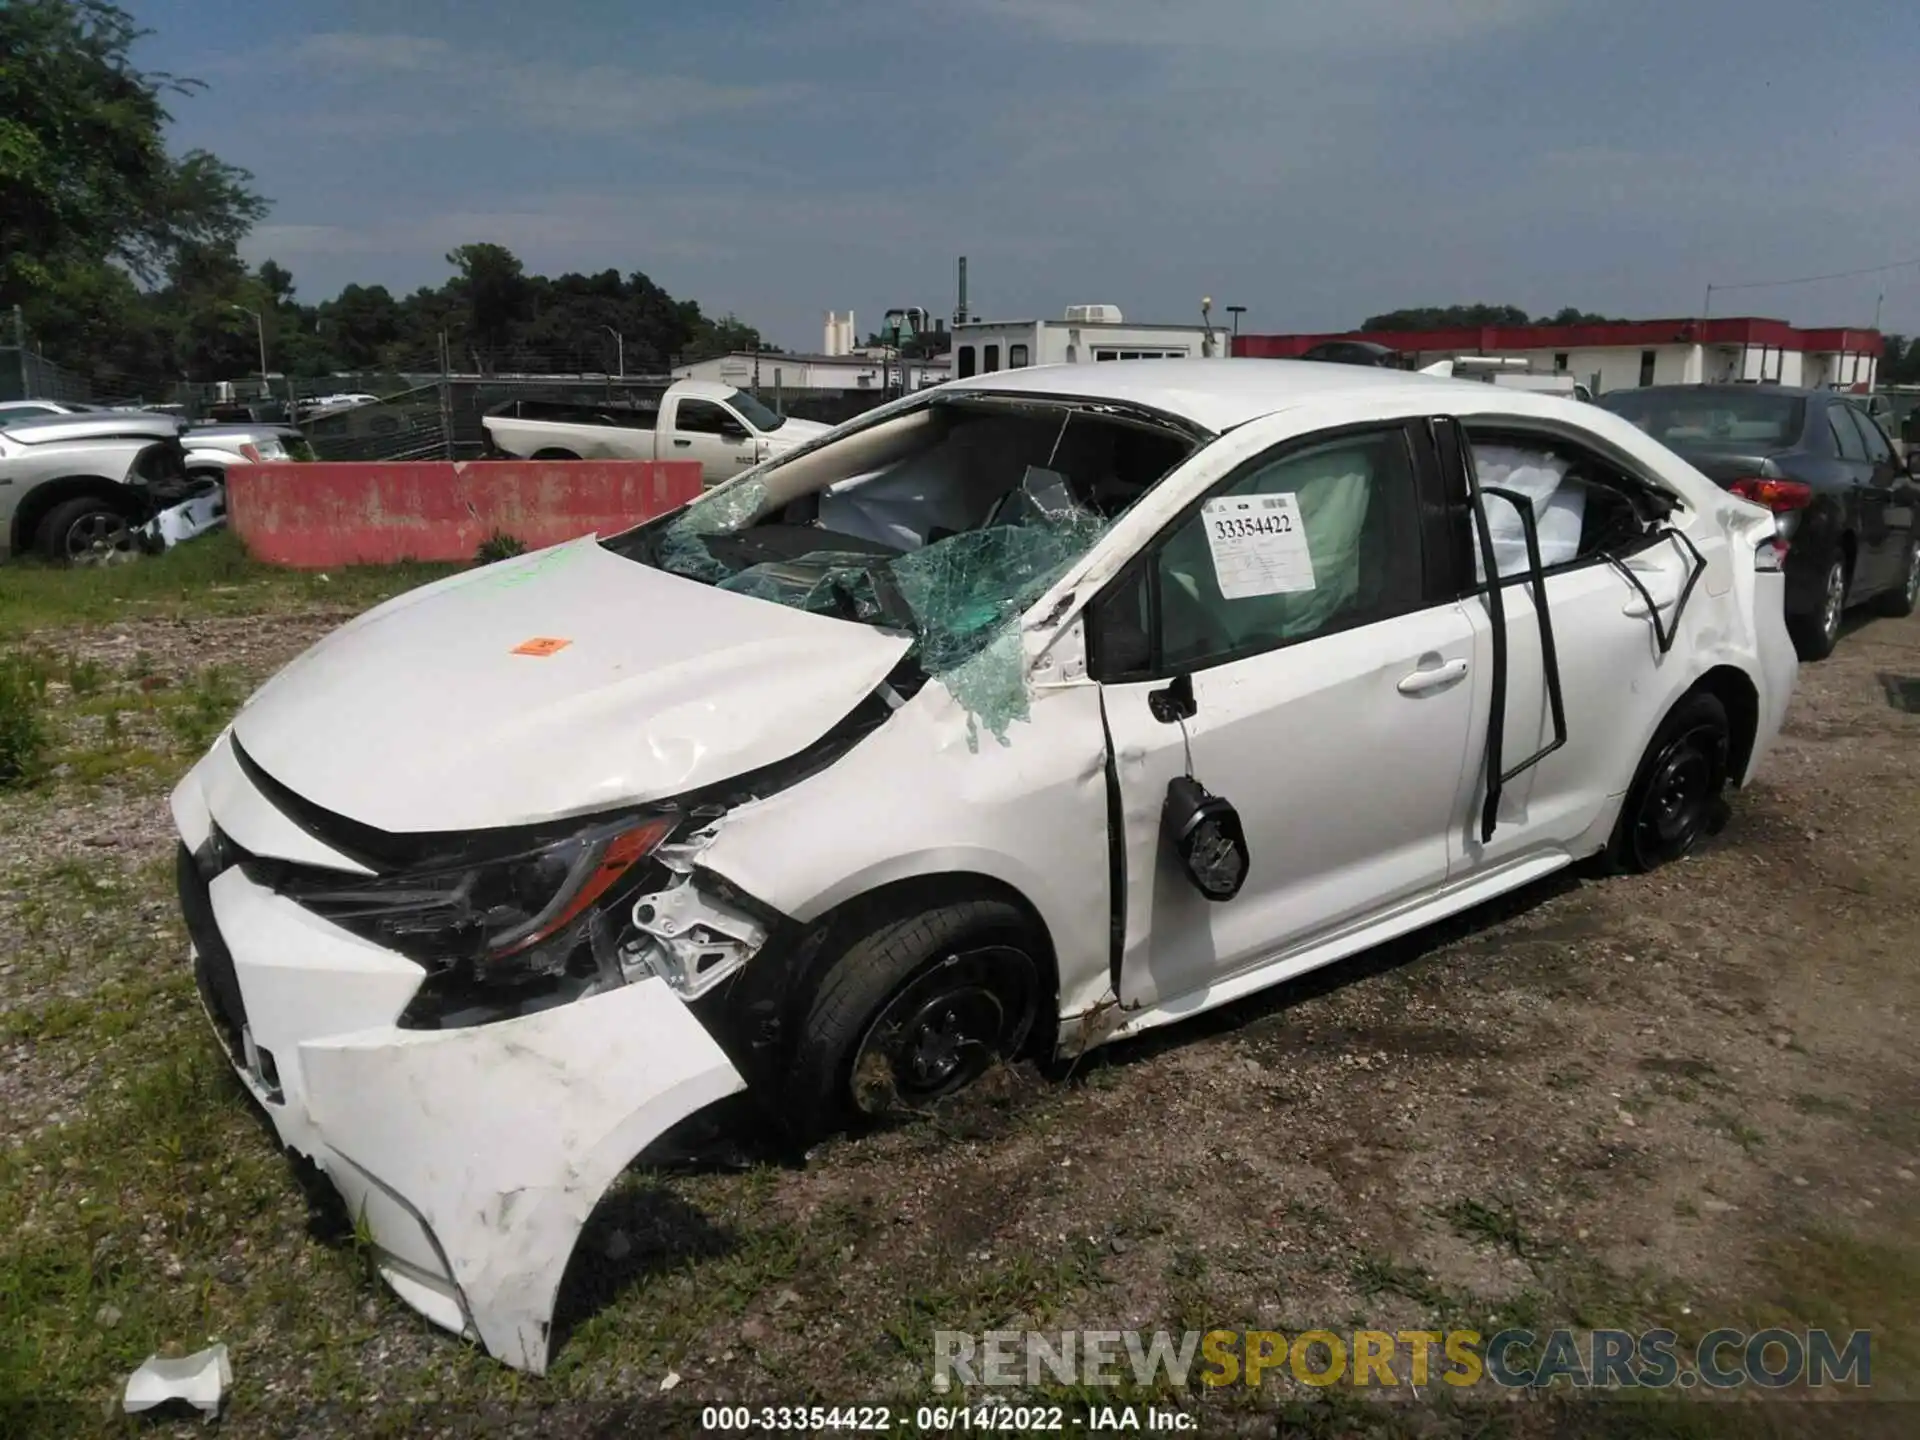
(1900, 362)
(1573, 315)
(498, 297)
(86, 182)
(1447, 317)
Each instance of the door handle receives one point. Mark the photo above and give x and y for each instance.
(1432, 677)
(1636, 608)
(683, 444)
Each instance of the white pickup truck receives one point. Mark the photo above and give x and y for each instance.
(725, 429)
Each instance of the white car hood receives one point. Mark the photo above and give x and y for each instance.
(796, 433)
(419, 716)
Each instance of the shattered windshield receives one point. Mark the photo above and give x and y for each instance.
(944, 523)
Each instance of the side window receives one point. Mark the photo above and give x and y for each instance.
(1299, 543)
(1845, 433)
(1878, 450)
(701, 417)
(990, 359)
(966, 362)
(1016, 356)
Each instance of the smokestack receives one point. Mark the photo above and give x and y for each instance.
(960, 310)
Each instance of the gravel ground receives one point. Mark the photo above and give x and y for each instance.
(1686, 1098)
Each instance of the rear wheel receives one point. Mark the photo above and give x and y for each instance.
(1675, 798)
(913, 1011)
(87, 531)
(1815, 634)
(555, 454)
(1902, 599)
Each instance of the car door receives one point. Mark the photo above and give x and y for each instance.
(1887, 497)
(1866, 511)
(706, 431)
(1580, 695)
(1279, 643)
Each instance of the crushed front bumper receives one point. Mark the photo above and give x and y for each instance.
(472, 1157)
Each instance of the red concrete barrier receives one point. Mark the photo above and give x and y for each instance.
(314, 515)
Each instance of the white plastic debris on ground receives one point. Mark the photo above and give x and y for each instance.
(188, 519)
(1558, 508)
(200, 1380)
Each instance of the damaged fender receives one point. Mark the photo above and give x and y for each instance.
(474, 1156)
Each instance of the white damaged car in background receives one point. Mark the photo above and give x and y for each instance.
(94, 487)
(1019, 715)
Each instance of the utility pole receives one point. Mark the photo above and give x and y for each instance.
(619, 350)
(260, 329)
(1236, 311)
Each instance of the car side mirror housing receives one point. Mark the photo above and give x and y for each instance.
(1205, 834)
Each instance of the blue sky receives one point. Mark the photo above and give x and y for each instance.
(1315, 162)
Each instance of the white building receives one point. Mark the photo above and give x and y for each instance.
(1088, 332)
(772, 374)
(1620, 355)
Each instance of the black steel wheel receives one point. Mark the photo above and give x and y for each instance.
(915, 1009)
(1675, 799)
(943, 1031)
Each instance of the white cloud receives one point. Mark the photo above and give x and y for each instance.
(453, 89)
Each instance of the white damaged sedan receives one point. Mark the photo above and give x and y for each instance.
(1022, 714)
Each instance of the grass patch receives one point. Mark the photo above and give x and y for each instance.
(212, 575)
(200, 709)
(1496, 1224)
(1747, 1137)
(25, 736)
(1825, 1280)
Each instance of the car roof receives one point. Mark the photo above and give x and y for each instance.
(1797, 392)
(1214, 394)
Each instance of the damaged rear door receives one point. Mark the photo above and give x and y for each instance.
(1575, 684)
(1279, 643)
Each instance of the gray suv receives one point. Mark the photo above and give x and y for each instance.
(77, 488)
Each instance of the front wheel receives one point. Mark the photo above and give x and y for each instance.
(913, 1011)
(1675, 797)
(87, 531)
(1814, 635)
(1901, 600)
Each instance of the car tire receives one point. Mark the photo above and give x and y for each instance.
(87, 531)
(914, 1010)
(555, 454)
(1901, 600)
(1815, 635)
(1675, 799)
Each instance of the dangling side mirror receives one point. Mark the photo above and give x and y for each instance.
(1205, 833)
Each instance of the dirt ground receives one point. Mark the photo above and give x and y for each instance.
(1690, 1099)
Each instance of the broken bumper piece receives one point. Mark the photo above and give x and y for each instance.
(472, 1157)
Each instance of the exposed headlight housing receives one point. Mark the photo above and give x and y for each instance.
(502, 921)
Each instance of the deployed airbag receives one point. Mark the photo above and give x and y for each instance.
(1559, 508)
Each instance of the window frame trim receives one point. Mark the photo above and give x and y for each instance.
(1140, 567)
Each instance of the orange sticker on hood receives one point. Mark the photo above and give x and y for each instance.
(539, 645)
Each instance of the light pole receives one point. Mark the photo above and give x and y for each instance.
(260, 329)
(619, 349)
(1236, 311)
